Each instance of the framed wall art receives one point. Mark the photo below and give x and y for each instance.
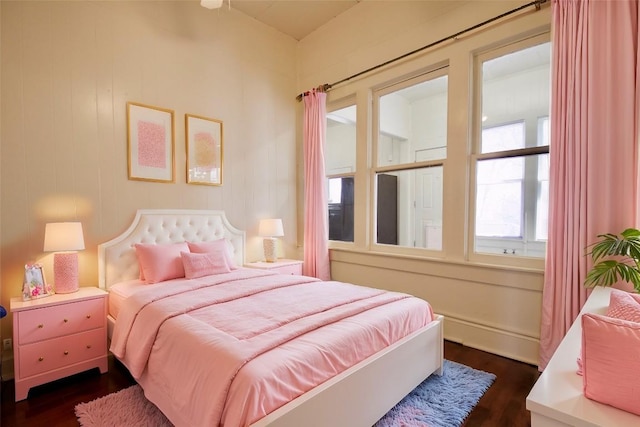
(34, 285)
(204, 150)
(150, 143)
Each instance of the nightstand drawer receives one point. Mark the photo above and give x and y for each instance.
(282, 266)
(289, 269)
(60, 352)
(50, 322)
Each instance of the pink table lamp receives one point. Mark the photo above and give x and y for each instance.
(64, 238)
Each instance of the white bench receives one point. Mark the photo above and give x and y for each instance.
(557, 400)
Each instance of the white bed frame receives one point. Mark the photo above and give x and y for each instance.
(358, 396)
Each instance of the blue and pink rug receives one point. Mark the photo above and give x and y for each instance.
(439, 401)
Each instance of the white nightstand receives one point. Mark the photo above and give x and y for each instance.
(58, 336)
(284, 266)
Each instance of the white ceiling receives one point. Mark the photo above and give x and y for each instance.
(297, 18)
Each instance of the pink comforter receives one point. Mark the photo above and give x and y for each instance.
(188, 340)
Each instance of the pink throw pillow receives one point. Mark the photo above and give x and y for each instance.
(214, 246)
(623, 305)
(161, 262)
(611, 361)
(206, 264)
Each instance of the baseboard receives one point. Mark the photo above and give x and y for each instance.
(503, 343)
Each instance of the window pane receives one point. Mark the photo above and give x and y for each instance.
(542, 211)
(515, 88)
(413, 123)
(505, 204)
(500, 170)
(502, 138)
(499, 198)
(409, 208)
(341, 209)
(340, 155)
(543, 131)
(542, 204)
(340, 158)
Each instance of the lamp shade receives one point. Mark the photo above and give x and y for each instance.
(63, 236)
(271, 228)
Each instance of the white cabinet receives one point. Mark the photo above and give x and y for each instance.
(557, 399)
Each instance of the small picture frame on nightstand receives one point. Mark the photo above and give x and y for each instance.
(34, 285)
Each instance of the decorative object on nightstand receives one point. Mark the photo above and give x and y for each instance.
(65, 238)
(34, 285)
(270, 229)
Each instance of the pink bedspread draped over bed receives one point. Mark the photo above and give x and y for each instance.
(231, 348)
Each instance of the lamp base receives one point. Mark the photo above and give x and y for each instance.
(65, 272)
(270, 252)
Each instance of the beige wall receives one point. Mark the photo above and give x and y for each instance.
(488, 307)
(68, 69)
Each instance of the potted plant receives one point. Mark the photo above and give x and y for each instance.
(615, 258)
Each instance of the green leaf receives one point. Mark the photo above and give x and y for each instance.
(615, 258)
(608, 273)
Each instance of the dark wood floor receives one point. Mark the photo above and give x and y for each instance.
(52, 404)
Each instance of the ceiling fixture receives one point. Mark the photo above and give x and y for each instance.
(211, 4)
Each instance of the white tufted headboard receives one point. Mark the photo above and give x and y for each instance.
(117, 260)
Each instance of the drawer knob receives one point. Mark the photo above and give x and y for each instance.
(66, 353)
(88, 316)
(40, 326)
(66, 320)
(40, 359)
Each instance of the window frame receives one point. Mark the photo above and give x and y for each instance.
(507, 260)
(431, 73)
(331, 107)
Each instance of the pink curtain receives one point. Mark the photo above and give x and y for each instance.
(593, 176)
(316, 247)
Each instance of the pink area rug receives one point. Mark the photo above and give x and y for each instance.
(439, 401)
(126, 407)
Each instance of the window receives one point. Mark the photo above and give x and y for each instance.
(453, 158)
(410, 153)
(512, 160)
(500, 184)
(340, 164)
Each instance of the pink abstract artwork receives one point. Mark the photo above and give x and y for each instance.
(151, 145)
(206, 154)
(204, 150)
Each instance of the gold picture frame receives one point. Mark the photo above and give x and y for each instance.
(205, 150)
(150, 143)
(34, 284)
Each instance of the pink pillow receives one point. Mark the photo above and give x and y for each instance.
(611, 361)
(198, 265)
(214, 246)
(161, 262)
(623, 305)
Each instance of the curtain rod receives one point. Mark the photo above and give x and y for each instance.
(326, 87)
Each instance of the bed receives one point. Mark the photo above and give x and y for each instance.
(393, 355)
